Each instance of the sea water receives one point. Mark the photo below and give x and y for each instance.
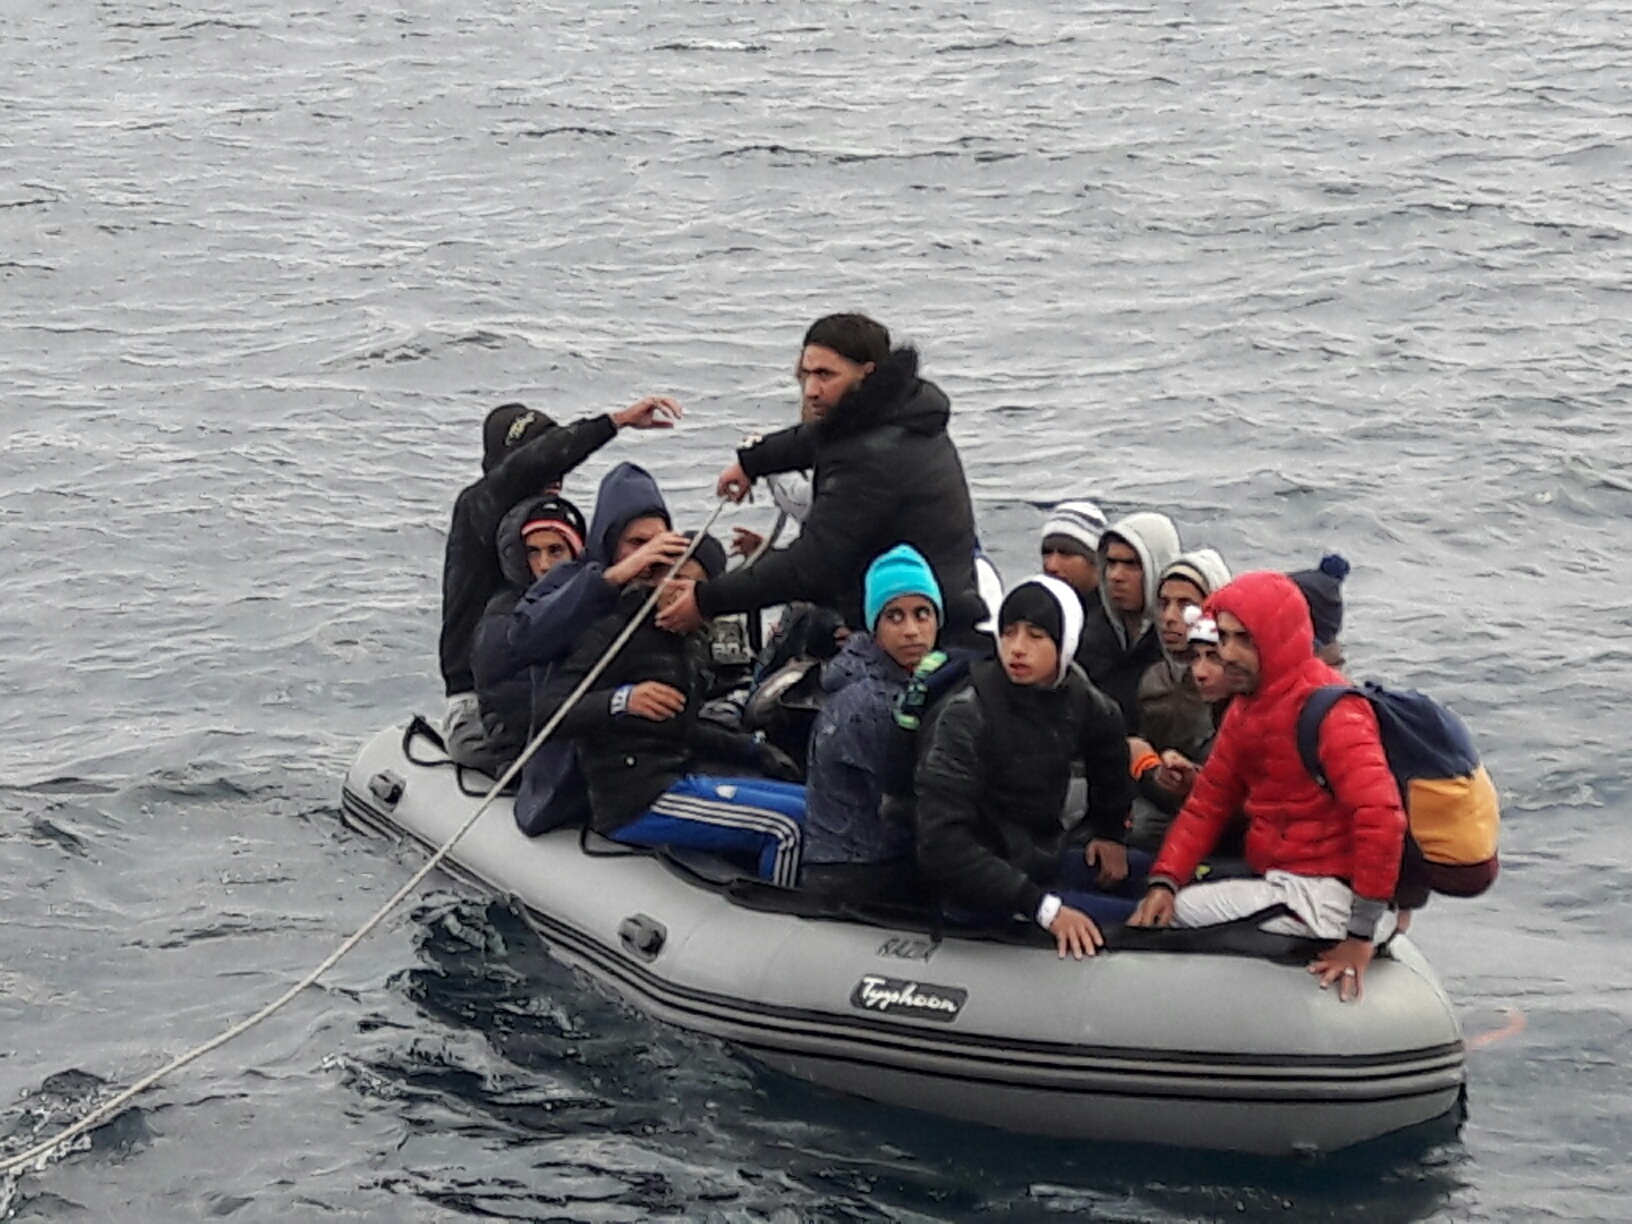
(1326, 276)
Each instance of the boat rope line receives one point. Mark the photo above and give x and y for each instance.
(1515, 1024)
(38, 1155)
(766, 544)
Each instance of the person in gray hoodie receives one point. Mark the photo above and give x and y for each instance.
(1120, 641)
(1175, 725)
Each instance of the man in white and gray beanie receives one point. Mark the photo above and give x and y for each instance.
(1070, 546)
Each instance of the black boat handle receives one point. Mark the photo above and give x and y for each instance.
(642, 936)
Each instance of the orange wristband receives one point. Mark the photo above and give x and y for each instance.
(1144, 764)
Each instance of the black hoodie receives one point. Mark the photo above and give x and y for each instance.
(886, 473)
(470, 568)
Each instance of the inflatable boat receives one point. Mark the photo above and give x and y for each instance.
(1153, 1041)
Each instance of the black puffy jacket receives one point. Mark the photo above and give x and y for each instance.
(992, 785)
(470, 569)
(628, 761)
(886, 473)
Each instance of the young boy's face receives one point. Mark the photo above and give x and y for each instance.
(906, 629)
(1175, 595)
(546, 549)
(1028, 654)
(1207, 670)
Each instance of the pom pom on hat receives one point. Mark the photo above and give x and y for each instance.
(1203, 628)
(901, 571)
(1322, 589)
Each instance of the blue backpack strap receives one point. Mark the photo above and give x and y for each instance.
(1314, 713)
(1423, 738)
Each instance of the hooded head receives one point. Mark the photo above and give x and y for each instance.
(1273, 611)
(1049, 605)
(1155, 541)
(535, 514)
(1196, 574)
(627, 492)
(1322, 587)
(507, 427)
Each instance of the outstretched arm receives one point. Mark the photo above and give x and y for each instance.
(848, 521)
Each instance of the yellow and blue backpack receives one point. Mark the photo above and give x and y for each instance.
(1450, 802)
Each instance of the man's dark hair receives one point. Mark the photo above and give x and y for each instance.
(851, 335)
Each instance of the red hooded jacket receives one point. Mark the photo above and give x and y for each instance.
(1355, 833)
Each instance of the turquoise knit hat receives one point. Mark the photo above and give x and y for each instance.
(901, 571)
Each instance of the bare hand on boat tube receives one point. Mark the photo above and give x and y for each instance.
(1110, 857)
(654, 701)
(1345, 964)
(1075, 933)
(1155, 909)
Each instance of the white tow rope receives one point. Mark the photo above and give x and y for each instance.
(38, 1154)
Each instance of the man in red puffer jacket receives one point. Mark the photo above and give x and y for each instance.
(1331, 858)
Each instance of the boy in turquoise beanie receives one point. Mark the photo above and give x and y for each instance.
(852, 851)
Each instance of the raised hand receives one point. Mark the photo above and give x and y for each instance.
(744, 542)
(653, 412)
(657, 554)
(681, 613)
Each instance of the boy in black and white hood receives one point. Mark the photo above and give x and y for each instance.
(993, 777)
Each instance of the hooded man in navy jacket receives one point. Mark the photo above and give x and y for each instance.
(630, 537)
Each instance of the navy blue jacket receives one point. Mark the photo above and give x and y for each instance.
(545, 627)
(850, 750)
(504, 685)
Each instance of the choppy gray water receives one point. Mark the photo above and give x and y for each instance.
(1348, 275)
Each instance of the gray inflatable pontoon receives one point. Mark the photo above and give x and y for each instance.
(1206, 1050)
